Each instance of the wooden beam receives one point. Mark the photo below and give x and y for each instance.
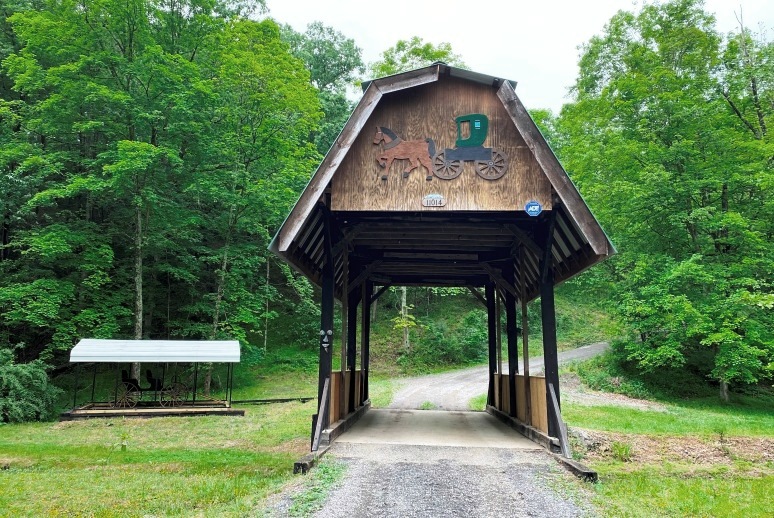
(523, 238)
(561, 183)
(357, 281)
(405, 80)
(352, 302)
(525, 338)
(492, 324)
(512, 335)
(431, 255)
(478, 295)
(326, 326)
(379, 293)
(365, 330)
(499, 280)
(548, 316)
(344, 310)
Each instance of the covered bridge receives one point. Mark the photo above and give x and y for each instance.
(440, 178)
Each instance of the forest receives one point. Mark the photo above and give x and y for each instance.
(150, 149)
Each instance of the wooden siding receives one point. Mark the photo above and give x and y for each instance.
(537, 395)
(430, 111)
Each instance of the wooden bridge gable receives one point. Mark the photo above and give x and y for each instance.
(427, 229)
(500, 174)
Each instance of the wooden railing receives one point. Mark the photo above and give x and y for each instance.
(320, 413)
(561, 426)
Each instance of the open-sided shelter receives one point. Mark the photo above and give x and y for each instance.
(171, 384)
(440, 178)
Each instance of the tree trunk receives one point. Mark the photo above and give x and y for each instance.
(266, 315)
(724, 391)
(403, 314)
(216, 315)
(138, 309)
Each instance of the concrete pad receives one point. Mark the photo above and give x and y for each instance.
(434, 428)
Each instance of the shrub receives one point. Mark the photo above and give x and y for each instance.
(25, 391)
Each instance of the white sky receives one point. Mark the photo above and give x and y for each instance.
(532, 42)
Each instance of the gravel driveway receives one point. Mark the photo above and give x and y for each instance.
(428, 481)
(421, 478)
(453, 390)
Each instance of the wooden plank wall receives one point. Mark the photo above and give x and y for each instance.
(537, 386)
(358, 390)
(335, 394)
(538, 397)
(340, 383)
(430, 111)
(521, 399)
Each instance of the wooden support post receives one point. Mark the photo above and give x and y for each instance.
(326, 325)
(365, 334)
(352, 303)
(492, 334)
(525, 337)
(344, 317)
(498, 319)
(512, 334)
(548, 314)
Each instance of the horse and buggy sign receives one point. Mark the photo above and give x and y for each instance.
(489, 163)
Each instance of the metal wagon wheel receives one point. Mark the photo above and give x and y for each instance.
(493, 168)
(446, 169)
(173, 395)
(127, 397)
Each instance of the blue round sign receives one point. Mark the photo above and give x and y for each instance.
(533, 208)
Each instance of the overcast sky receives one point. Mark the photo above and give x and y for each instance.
(534, 43)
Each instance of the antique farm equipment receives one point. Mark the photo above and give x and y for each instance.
(490, 163)
(415, 151)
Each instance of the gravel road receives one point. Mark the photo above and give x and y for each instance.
(424, 479)
(453, 390)
(407, 481)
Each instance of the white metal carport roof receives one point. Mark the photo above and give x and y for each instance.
(158, 351)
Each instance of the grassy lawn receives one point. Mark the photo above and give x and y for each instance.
(163, 466)
(208, 466)
(204, 466)
(653, 491)
(694, 458)
(697, 417)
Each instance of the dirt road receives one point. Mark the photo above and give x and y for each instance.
(453, 390)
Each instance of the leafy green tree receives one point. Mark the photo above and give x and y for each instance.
(334, 62)
(669, 145)
(150, 148)
(411, 54)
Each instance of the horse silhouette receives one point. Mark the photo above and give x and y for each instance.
(415, 151)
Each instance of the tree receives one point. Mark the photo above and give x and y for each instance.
(150, 149)
(411, 54)
(334, 62)
(668, 145)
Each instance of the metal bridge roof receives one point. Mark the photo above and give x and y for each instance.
(157, 351)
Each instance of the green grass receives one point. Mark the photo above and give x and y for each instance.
(478, 403)
(735, 419)
(381, 390)
(655, 491)
(428, 405)
(324, 478)
(171, 466)
(664, 486)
